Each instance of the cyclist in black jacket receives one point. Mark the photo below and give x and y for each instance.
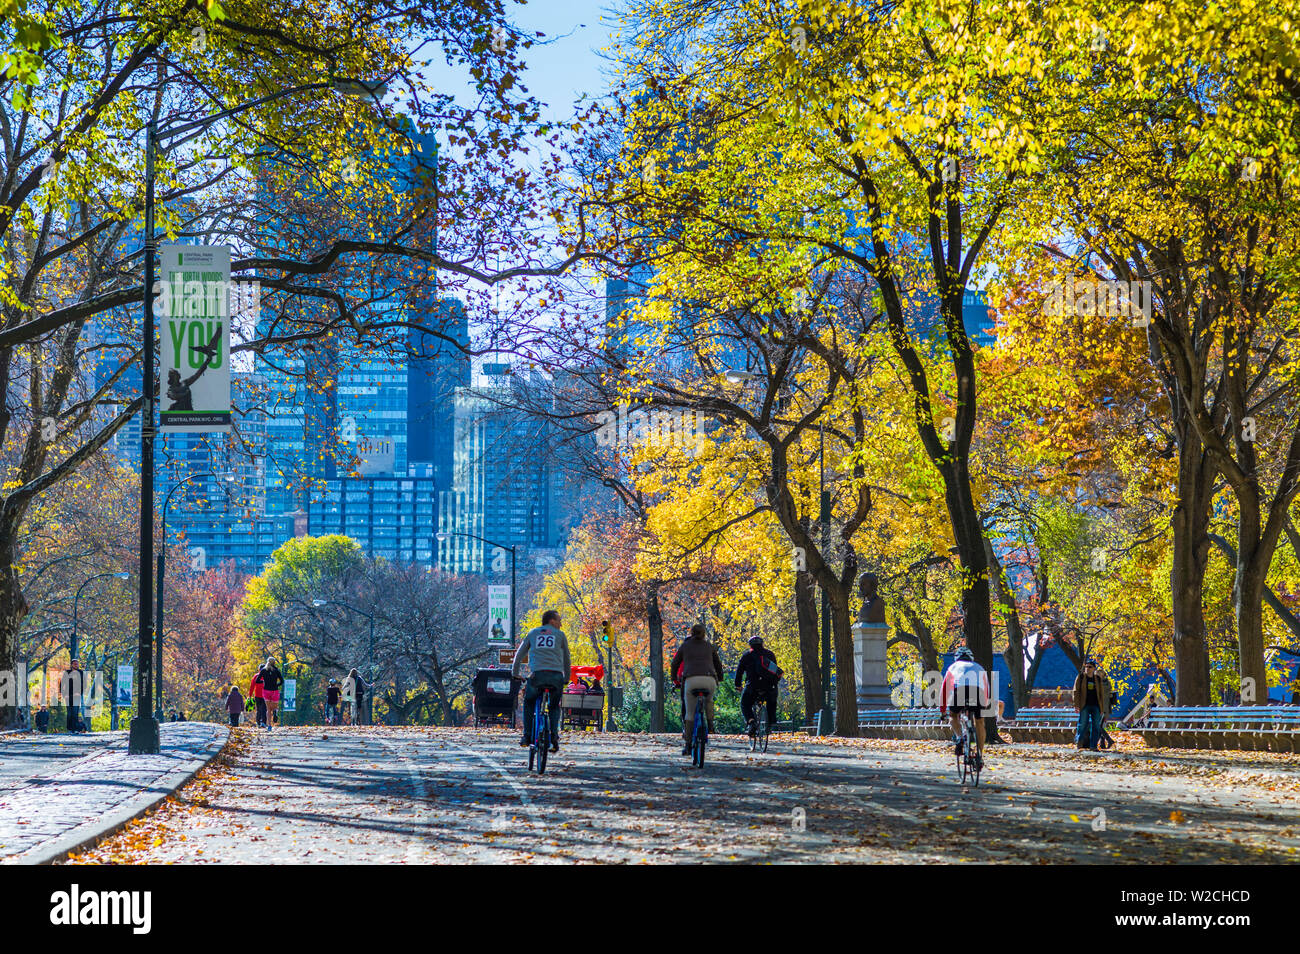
(760, 672)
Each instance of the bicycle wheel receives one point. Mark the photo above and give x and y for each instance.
(764, 730)
(699, 736)
(965, 746)
(541, 733)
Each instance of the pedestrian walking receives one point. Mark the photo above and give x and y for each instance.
(271, 683)
(72, 688)
(255, 687)
(333, 694)
(43, 719)
(354, 688)
(234, 705)
(1092, 700)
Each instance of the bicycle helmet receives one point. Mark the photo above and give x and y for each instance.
(756, 642)
(966, 654)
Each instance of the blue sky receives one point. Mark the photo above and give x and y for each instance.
(566, 64)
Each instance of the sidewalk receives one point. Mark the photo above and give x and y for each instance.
(80, 803)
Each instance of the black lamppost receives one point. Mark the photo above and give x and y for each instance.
(370, 703)
(824, 726)
(514, 622)
(162, 572)
(144, 726)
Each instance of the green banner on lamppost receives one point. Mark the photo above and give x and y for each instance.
(194, 294)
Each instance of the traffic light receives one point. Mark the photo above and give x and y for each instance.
(604, 632)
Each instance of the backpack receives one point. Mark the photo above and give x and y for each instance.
(768, 672)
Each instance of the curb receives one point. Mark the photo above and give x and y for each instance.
(14, 731)
(92, 832)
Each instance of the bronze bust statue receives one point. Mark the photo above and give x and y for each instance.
(873, 606)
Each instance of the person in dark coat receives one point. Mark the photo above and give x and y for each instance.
(234, 705)
(1092, 701)
(72, 688)
(255, 687)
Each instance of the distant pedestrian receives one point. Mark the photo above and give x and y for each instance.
(72, 687)
(234, 704)
(355, 689)
(43, 719)
(333, 694)
(1092, 700)
(271, 683)
(255, 687)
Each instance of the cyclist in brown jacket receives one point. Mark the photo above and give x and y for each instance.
(697, 666)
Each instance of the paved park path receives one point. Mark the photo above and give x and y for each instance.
(56, 791)
(393, 795)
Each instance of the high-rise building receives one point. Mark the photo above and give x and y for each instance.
(390, 517)
(436, 367)
(509, 484)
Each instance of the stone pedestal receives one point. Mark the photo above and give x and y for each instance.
(869, 642)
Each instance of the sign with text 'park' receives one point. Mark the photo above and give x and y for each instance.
(498, 615)
(194, 301)
(125, 683)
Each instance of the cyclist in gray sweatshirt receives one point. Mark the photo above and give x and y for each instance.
(547, 651)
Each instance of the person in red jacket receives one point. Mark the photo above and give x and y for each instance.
(255, 689)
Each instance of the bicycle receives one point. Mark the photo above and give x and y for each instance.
(968, 763)
(700, 731)
(541, 743)
(758, 740)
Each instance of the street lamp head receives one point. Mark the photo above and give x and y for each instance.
(739, 377)
(123, 576)
(319, 602)
(442, 537)
(359, 89)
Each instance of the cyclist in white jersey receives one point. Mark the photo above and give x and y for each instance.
(965, 688)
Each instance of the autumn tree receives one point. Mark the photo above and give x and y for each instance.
(79, 90)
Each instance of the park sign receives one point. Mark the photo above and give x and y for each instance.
(195, 338)
(290, 695)
(498, 615)
(125, 682)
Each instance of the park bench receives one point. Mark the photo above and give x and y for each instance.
(1030, 725)
(1249, 728)
(1042, 725)
(912, 723)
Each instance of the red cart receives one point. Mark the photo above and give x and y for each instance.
(583, 701)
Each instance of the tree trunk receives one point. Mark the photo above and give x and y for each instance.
(805, 607)
(656, 621)
(975, 603)
(13, 609)
(1191, 547)
(846, 690)
(1248, 599)
(1014, 654)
